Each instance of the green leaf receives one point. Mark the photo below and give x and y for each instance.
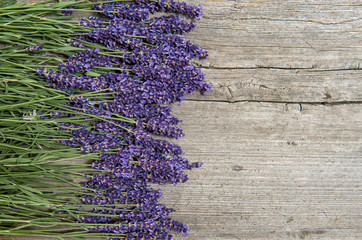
(22, 187)
(35, 198)
(6, 3)
(92, 74)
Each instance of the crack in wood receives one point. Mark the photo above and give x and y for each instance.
(280, 68)
(230, 92)
(279, 102)
(300, 20)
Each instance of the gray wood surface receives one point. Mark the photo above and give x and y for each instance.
(280, 135)
(271, 171)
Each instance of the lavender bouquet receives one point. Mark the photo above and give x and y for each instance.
(81, 104)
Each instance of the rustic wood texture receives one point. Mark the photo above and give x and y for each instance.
(271, 171)
(280, 135)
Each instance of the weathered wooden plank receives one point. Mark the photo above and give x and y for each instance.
(271, 171)
(281, 34)
(281, 51)
(283, 85)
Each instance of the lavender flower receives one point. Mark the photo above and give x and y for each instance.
(34, 48)
(67, 12)
(76, 43)
(172, 6)
(153, 71)
(170, 24)
(84, 61)
(130, 11)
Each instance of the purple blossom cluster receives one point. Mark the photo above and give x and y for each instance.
(67, 12)
(34, 48)
(84, 61)
(76, 43)
(147, 67)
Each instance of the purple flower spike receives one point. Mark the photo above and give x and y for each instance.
(67, 12)
(34, 48)
(141, 66)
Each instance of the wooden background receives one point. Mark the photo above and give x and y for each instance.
(280, 135)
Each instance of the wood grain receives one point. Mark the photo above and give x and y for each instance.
(282, 51)
(282, 160)
(290, 86)
(281, 34)
(271, 171)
